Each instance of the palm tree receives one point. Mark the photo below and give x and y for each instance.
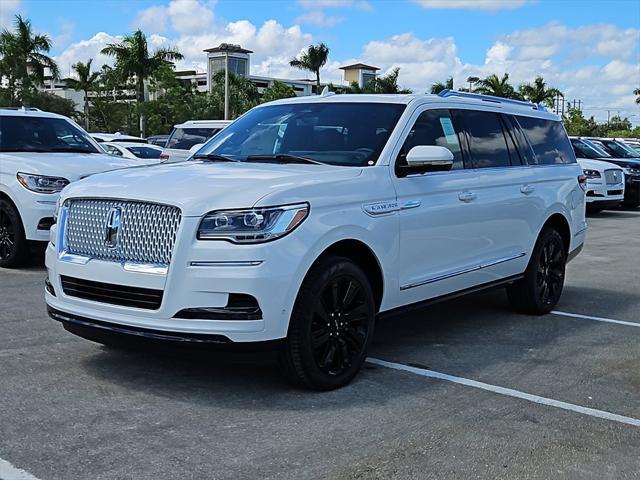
(539, 93)
(24, 59)
(312, 60)
(636, 92)
(498, 87)
(472, 80)
(134, 60)
(86, 82)
(385, 84)
(440, 86)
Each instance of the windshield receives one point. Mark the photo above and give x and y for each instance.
(598, 147)
(185, 138)
(585, 150)
(619, 149)
(42, 134)
(349, 134)
(145, 152)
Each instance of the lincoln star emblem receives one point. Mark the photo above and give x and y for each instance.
(112, 230)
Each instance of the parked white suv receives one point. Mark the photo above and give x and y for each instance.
(188, 137)
(40, 153)
(306, 218)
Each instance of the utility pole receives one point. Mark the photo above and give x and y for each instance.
(226, 85)
(608, 116)
(579, 104)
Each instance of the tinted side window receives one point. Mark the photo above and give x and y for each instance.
(548, 140)
(185, 138)
(434, 127)
(523, 147)
(486, 139)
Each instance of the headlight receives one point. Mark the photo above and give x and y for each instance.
(592, 173)
(253, 225)
(631, 171)
(42, 183)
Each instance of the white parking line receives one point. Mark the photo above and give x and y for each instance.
(9, 472)
(597, 319)
(508, 392)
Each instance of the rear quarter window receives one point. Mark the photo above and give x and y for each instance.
(548, 140)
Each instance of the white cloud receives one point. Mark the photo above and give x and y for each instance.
(84, 50)
(184, 16)
(498, 53)
(318, 4)
(152, 19)
(319, 19)
(8, 10)
(473, 4)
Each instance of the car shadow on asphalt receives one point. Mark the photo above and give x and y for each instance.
(482, 325)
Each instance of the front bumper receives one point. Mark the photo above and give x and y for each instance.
(632, 190)
(269, 275)
(598, 192)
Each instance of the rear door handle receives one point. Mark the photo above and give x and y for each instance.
(467, 196)
(527, 189)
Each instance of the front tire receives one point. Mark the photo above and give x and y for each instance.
(540, 289)
(331, 326)
(13, 244)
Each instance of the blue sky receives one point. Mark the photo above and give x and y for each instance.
(590, 49)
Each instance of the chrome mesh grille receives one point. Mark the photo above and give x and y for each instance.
(613, 176)
(147, 233)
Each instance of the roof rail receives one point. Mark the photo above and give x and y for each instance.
(25, 109)
(490, 98)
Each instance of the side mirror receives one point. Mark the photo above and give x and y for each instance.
(428, 158)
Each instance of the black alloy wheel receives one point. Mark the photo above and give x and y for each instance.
(7, 236)
(339, 328)
(550, 275)
(540, 289)
(331, 326)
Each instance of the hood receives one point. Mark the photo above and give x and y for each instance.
(71, 166)
(623, 162)
(200, 187)
(599, 165)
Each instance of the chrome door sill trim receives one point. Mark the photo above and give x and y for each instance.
(461, 272)
(230, 263)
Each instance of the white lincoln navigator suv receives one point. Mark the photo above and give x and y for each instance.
(40, 153)
(307, 218)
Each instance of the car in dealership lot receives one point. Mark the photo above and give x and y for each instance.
(605, 181)
(187, 137)
(630, 166)
(160, 140)
(116, 137)
(308, 218)
(146, 152)
(615, 148)
(40, 153)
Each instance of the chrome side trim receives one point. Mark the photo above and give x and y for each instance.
(581, 231)
(461, 272)
(230, 263)
(411, 204)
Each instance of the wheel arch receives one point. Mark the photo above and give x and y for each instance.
(561, 224)
(363, 256)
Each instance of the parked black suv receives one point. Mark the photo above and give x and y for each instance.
(596, 150)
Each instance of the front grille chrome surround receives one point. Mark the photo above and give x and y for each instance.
(613, 176)
(147, 231)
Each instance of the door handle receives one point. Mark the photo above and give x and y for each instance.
(527, 189)
(467, 196)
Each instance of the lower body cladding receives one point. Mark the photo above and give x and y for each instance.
(195, 302)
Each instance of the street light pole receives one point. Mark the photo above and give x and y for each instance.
(226, 85)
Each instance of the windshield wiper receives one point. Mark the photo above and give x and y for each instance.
(213, 158)
(282, 158)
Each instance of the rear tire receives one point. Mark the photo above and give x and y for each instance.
(540, 289)
(331, 326)
(13, 244)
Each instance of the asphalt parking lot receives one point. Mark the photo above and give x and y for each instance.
(489, 393)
